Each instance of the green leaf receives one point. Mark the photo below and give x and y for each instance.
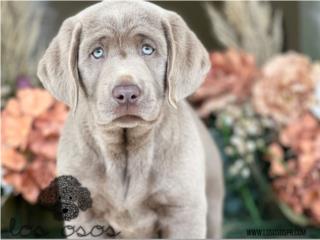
(298, 219)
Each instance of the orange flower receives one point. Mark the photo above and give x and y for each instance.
(315, 210)
(46, 147)
(42, 171)
(51, 122)
(276, 157)
(302, 136)
(13, 107)
(34, 101)
(15, 129)
(29, 188)
(228, 81)
(14, 179)
(12, 159)
(31, 125)
(299, 131)
(36, 176)
(298, 184)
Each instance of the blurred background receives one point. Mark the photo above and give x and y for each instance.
(260, 101)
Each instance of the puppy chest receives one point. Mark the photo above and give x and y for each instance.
(133, 223)
(130, 220)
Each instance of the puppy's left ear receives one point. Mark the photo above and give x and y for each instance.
(84, 199)
(188, 60)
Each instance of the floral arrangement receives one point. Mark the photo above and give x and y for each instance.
(268, 121)
(31, 125)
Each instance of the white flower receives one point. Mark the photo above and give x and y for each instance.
(233, 171)
(239, 163)
(235, 168)
(260, 143)
(239, 131)
(245, 172)
(239, 143)
(234, 111)
(229, 151)
(235, 140)
(248, 111)
(228, 120)
(251, 146)
(249, 158)
(252, 127)
(267, 122)
(242, 149)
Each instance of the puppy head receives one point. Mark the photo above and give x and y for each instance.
(124, 60)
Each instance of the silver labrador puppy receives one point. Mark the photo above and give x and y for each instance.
(125, 68)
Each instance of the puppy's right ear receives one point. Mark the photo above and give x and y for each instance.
(58, 68)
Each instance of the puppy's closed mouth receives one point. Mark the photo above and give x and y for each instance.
(128, 118)
(128, 121)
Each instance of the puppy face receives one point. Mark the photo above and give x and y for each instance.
(122, 64)
(125, 59)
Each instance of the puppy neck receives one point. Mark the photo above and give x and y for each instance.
(119, 140)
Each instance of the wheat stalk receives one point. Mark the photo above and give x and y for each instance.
(248, 25)
(21, 43)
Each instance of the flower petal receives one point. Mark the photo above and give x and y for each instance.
(15, 130)
(43, 171)
(29, 188)
(34, 101)
(12, 159)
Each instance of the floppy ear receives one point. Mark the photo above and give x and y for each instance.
(188, 60)
(58, 70)
(84, 199)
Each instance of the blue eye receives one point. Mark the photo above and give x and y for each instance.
(98, 53)
(147, 49)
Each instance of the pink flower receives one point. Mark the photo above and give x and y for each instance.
(286, 88)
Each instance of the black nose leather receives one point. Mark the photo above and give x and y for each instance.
(125, 94)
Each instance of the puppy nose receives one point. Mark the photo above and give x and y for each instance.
(124, 94)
